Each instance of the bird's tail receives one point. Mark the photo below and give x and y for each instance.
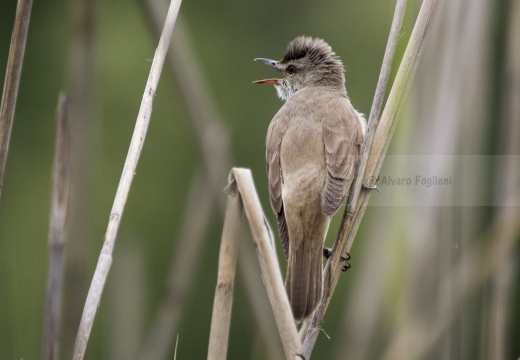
(303, 282)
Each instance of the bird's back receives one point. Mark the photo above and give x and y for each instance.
(295, 142)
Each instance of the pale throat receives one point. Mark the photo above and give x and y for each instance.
(285, 91)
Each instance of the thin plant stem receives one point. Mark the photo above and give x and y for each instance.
(382, 137)
(12, 80)
(57, 231)
(136, 145)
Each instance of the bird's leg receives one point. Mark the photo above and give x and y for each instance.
(327, 252)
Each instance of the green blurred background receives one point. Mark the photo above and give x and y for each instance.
(226, 36)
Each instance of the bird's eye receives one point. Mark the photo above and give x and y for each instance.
(291, 69)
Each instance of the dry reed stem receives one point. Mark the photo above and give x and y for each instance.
(221, 315)
(136, 144)
(382, 138)
(12, 80)
(272, 276)
(57, 230)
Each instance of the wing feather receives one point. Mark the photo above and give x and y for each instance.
(342, 138)
(275, 177)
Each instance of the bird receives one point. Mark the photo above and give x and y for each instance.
(312, 149)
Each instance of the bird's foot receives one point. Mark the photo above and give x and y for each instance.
(346, 258)
(327, 252)
(371, 187)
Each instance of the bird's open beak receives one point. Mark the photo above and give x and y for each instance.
(268, 81)
(274, 65)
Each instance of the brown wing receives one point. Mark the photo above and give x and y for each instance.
(274, 174)
(342, 137)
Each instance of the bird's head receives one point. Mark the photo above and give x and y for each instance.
(306, 62)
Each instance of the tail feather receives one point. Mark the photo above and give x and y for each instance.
(304, 280)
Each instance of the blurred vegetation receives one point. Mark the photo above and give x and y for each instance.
(227, 36)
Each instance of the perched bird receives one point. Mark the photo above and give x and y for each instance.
(312, 149)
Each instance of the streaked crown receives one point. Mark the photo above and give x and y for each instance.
(309, 61)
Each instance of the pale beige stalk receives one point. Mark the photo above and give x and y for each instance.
(227, 262)
(57, 230)
(136, 145)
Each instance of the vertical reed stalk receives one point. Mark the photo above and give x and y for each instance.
(221, 316)
(57, 231)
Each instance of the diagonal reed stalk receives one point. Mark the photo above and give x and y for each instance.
(57, 230)
(134, 151)
(12, 80)
(382, 137)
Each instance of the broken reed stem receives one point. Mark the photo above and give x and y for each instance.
(382, 138)
(221, 316)
(271, 274)
(57, 230)
(12, 79)
(134, 151)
